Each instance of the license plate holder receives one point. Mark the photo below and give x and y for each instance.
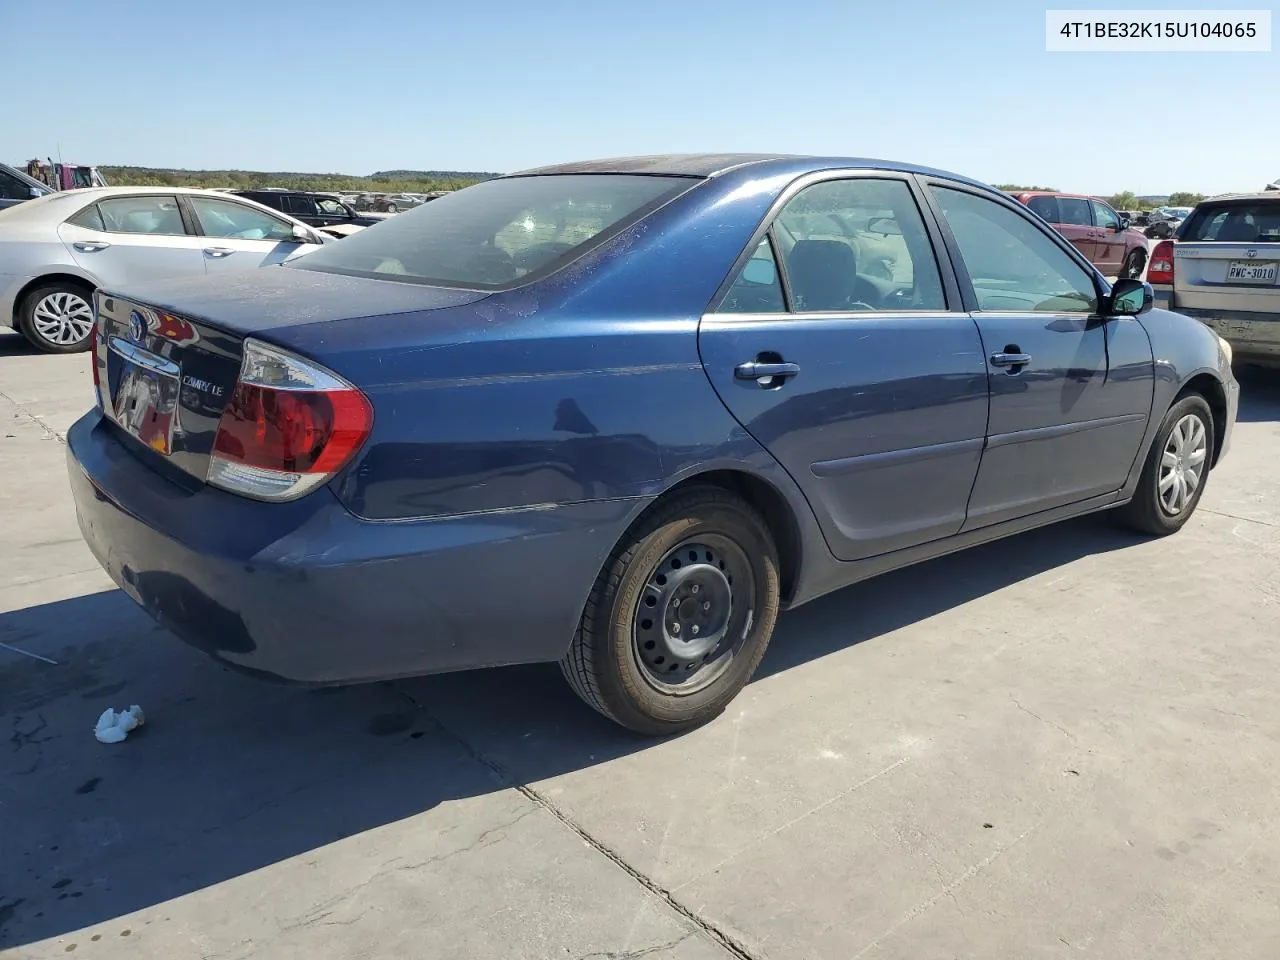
(145, 397)
(1251, 271)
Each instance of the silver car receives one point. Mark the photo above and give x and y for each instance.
(1223, 268)
(56, 250)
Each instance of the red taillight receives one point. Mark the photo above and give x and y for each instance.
(1160, 270)
(289, 426)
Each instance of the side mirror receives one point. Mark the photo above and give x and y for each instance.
(36, 192)
(303, 235)
(1123, 225)
(1129, 298)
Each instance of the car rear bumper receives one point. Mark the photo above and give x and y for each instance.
(307, 592)
(1251, 334)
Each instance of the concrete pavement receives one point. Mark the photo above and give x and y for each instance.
(1067, 742)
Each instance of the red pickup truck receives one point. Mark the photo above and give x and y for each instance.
(1095, 228)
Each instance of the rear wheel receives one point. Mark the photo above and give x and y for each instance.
(1176, 470)
(1134, 264)
(57, 317)
(680, 615)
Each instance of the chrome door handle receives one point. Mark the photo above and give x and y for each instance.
(764, 373)
(1010, 359)
(218, 252)
(90, 246)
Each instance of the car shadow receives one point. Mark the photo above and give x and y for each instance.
(231, 774)
(14, 344)
(1259, 393)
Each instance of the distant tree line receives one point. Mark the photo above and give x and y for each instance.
(393, 181)
(1128, 200)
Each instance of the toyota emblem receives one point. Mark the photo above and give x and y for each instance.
(137, 327)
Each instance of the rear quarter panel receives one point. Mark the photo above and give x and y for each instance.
(586, 386)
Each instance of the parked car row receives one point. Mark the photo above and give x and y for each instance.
(56, 250)
(646, 403)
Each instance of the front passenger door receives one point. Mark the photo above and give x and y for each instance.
(1110, 239)
(240, 237)
(1075, 222)
(1071, 392)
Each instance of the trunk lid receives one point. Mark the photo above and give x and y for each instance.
(168, 355)
(1217, 275)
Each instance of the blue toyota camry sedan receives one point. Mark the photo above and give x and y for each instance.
(618, 415)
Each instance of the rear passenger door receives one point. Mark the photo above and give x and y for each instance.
(844, 350)
(132, 239)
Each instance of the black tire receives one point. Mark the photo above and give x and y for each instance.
(33, 327)
(624, 676)
(1147, 512)
(1134, 264)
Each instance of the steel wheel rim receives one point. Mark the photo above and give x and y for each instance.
(1182, 464)
(62, 318)
(694, 614)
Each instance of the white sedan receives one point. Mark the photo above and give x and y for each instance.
(56, 250)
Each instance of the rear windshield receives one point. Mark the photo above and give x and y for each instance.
(498, 233)
(1254, 222)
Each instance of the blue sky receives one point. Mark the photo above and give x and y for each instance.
(328, 86)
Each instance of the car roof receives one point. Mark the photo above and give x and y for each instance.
(716, 164)
(1057, 193)
(1270, 196)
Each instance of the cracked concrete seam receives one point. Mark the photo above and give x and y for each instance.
(22, 411)
(711, 930)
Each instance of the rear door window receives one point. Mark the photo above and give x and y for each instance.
(1257, 222)
(147, 214)
(758, 287)
(300, 206)
(857, 244)
(1074, 211)
(1046, 207)
(89, 218)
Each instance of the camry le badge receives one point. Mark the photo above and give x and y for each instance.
(137, 327)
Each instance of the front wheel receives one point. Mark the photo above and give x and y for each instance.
(680, 615)
(1176, 470)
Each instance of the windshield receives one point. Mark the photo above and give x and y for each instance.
(498, 233)
(1254, 222)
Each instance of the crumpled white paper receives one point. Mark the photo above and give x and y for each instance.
(114, 727)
